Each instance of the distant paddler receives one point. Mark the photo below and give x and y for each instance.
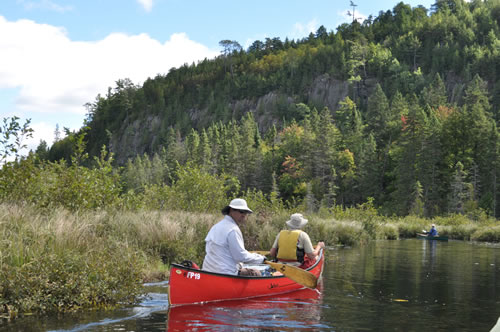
(433, 231)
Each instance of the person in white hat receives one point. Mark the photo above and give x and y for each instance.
(224, 246)
(294, 245)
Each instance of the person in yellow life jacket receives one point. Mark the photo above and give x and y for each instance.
(294, 245)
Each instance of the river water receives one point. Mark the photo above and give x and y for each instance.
(406, 285)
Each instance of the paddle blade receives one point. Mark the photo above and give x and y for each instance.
(297, 274)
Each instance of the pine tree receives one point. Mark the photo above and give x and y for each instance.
(250, 154)
(417, 206)
(378, 124)
(378, 115)
(435, 94)
(406, 157)
(369, 170)
(466, 134)
(311, 203)
(459, 190)
(192, 146)
(205, 152)
(430, 163)
(175, 151)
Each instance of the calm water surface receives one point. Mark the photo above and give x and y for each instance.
(407, 285)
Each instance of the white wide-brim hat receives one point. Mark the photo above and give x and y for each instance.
(239, 204)
(297, 221)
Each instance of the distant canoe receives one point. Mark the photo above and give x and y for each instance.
(426, 237)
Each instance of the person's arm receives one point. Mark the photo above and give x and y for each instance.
(314, 255)
(273, 252)
(319, 246)
(238, 251)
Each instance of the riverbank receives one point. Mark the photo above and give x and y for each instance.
(61, 261)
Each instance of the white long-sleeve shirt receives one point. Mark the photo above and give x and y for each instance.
(225, 248)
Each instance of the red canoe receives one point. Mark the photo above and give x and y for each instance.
(193, 286)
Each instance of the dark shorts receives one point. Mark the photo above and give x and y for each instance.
(249, 272)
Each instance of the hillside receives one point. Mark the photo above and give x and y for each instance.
(402, 108)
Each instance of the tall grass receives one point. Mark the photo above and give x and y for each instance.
(63, 261)
(57, 260)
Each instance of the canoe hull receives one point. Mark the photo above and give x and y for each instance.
(193, 286)
(437, 238)
(230, 314)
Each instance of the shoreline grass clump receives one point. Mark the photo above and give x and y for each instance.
(63, 262)
(489, 234)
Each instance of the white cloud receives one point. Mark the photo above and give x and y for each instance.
(147, 4)
(303, 30)
(45, 4)
(42, 131)
(57, 76)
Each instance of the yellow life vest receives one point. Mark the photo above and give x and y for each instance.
(287, 245)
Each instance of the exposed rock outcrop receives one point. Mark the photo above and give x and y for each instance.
(142, 135)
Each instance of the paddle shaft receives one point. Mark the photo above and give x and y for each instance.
(260, 252)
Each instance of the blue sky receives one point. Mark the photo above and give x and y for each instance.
(57, 55)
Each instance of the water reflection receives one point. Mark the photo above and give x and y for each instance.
(404, 285)
(429, 252)
(295, 311)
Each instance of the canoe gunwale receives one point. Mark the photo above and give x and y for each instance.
(180, 266)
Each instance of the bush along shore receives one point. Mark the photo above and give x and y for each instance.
(56, 261)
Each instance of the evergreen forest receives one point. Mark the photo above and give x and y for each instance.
(400, 110)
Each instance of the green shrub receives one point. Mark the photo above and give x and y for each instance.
(350, 233)
(50, 185)
(387, 232)
(487, 234)
(408, 227)
(362, 212)
(263, 204)
(452, 220)
(196, 190)
(70, 280)
(459, 232)
(321, 230)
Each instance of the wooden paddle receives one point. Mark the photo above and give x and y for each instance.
(261, 252)
(297, 274)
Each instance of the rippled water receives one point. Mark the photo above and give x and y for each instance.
(407, 285)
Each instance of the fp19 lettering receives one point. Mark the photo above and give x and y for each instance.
(192, 275)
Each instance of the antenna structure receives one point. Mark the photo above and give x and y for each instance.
(353, 5)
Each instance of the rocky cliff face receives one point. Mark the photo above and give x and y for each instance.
(142, 135)
(328, 92)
